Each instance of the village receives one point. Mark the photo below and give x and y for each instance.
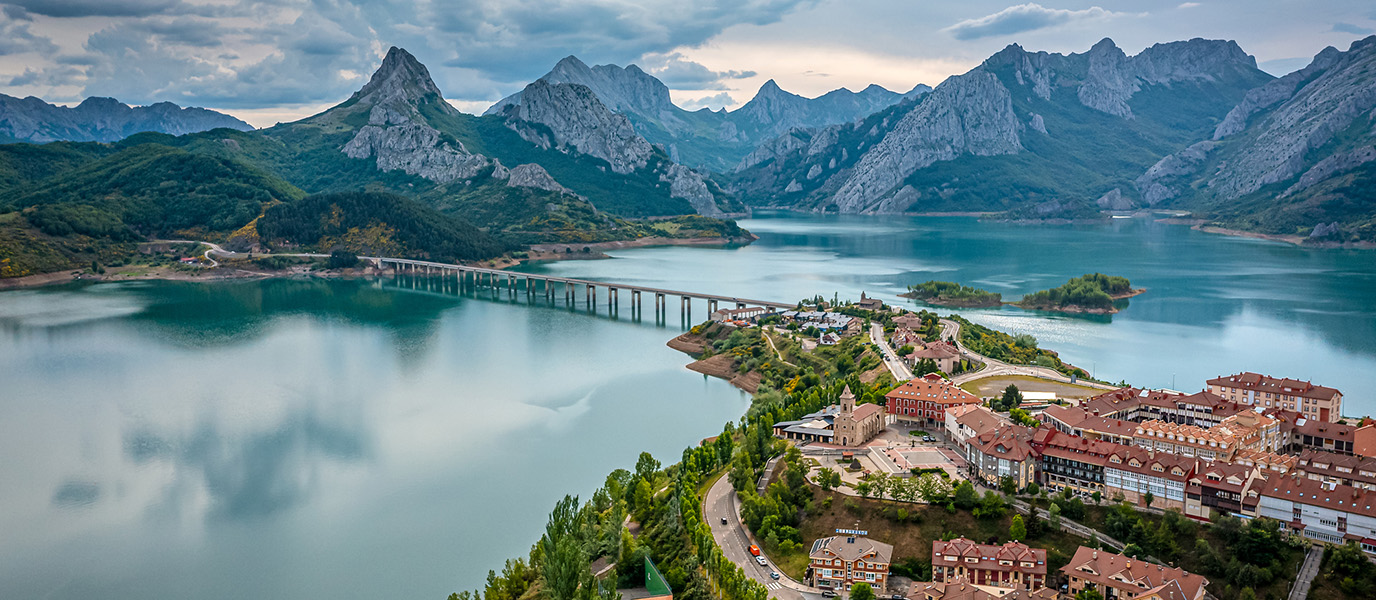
(1245, 446)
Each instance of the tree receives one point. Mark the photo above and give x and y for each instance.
(1097, 496)
(1148, 497)
(564, 561)
(824, 479)
(646, 466)
(1055, 518)
(863, 488)
(861, 591)
(1033, 488)
(1017, 530)
(1089, 595)
(1247, 594)
(965, 496)
(990, 507)
(1012, 398)
(1008, 485)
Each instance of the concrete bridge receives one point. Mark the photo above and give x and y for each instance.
(549, 286)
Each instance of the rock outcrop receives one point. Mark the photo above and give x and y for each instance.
(102, 120)
(533, 176)
(966, 114)
(1341, 90)
(397, 136)
(577, 120)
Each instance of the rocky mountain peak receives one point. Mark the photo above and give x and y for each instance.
(573, 115)
(397, 89)
(628, 90)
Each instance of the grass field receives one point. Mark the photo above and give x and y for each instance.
(994, 386)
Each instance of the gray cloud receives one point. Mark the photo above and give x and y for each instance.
(1352, 29)
(313, 51)
(96, 8)
(15, 38)
(680, 73)
(1020, 18)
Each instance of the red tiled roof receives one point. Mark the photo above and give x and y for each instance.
(1106, 565)
(1335, 496)
(1266, 383)
(989, 556)
(931, 388)
(1011, 442)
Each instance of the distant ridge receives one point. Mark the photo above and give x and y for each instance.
(102, 120)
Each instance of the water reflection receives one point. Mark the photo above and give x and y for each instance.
(251, 474)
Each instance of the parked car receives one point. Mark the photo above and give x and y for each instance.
(928, 438)
(773, 574)
(898, 597)
(828, 594)
(761, 560)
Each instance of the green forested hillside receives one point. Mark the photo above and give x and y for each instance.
(376, 224)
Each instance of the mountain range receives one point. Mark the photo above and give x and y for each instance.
(1189, 126)
(588, 154)
(560, 167)
(704, 138)
(101, 120)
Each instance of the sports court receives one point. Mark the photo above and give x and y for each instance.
(922, 458)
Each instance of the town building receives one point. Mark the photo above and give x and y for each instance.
(1133, 472)
(1312, 401)
(1011, 565)
(1079, 421)
(1072, 462)
(965, 421)
(748, 314)
(1243, 431)
(1203, 409)
(843, 424)
(1321, 435)
(1268, 463)
(1118, 577)
(961, 589)
(905, 337)
(814, 427)
(824, 321)
(924, 400)
(944, 354)
(1321, 510)
(854, 426)
(1003, 452)
(1356, 471)
(838, 562)
(908, 321)
(869, 303)
(1220, 488)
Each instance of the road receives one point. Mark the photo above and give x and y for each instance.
(900, 371)
(735, 543)
(995, 368)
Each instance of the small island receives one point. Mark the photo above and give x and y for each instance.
(950, 294)
(1092, 293)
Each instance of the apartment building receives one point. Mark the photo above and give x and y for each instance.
(1312, 401)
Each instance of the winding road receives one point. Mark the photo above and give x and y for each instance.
(734, 540)
(995, 368)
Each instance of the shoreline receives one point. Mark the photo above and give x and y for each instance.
(1079, 310)
(224, 272)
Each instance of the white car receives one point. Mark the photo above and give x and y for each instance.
(761, 560)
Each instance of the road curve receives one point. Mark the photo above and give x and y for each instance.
(995, 368)
(735, 543)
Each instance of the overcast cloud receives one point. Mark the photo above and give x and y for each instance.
(283, 59)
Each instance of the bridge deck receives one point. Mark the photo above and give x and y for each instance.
(586, 282)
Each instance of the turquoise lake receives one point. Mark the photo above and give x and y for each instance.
(394, 439)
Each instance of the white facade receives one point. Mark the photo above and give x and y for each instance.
(1321, 523)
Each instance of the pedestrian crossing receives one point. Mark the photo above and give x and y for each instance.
(774, 585)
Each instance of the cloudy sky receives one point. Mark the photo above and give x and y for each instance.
(281, 60)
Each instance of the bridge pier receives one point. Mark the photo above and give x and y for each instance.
(711, 306)
(613, 297)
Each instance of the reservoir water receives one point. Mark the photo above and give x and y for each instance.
(388, 439)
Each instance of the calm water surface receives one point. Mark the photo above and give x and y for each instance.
(1214, 305)
(350, 439)
(311, 439)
